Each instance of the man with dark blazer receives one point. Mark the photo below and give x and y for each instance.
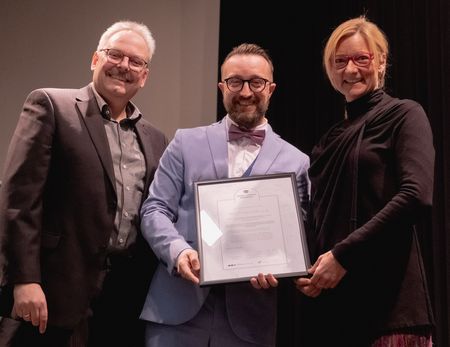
(78, 168)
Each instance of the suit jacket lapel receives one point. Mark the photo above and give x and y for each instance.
(88, 108)
(142, 132)
(217, 140)
(270, 149)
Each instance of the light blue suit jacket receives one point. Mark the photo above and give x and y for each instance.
(169, 226)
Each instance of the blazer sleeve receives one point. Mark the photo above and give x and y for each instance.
(160, 210)
(21, 196)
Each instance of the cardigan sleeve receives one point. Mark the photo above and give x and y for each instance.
(413, 160)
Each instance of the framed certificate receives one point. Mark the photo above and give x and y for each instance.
(250, 225)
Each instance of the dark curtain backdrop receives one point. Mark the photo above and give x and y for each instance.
(304, 105)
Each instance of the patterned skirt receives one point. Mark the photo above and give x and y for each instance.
(404, 340)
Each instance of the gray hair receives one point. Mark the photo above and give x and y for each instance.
(139, 28)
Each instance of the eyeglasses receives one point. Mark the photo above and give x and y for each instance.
(115, 56)
(256, 85)
(359, 59)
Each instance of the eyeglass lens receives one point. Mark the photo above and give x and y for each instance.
(235, 84)
(116, 56)
(362, 60)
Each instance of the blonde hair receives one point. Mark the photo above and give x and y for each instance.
(372, 34)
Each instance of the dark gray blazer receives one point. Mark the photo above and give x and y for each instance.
(58, 200)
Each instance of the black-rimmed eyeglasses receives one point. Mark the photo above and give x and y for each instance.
(256, 85)
(116, 56)
(360, 59)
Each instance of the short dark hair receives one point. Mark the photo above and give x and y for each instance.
(249, 49)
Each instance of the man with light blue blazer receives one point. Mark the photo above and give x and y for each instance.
(178, 311)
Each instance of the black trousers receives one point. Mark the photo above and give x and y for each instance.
(115, 313)
(21, 334)
(112, 320)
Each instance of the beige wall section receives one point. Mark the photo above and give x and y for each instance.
(49, 43)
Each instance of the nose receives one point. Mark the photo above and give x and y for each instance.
(351, 66)
(246, 91)
(125, 63)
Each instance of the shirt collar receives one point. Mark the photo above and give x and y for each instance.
(133, 113)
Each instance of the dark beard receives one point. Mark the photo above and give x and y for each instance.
(245, 120)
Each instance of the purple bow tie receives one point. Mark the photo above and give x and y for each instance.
(235, 133)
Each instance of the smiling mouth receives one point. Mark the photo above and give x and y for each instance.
(119, 78)
(353, 82)
(246, 103)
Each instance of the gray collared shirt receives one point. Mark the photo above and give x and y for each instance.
(129, 171)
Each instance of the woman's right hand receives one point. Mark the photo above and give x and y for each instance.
(305, 286)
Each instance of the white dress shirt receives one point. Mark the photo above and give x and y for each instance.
(242, 152)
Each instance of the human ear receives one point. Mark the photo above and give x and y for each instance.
(94, 60)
